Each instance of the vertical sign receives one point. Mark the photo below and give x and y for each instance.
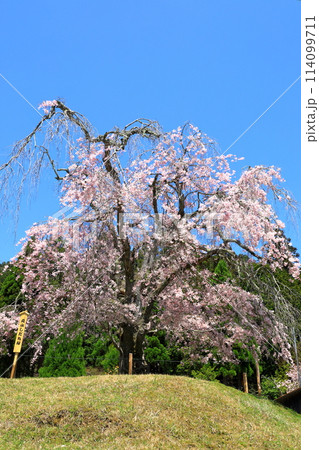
(18, 341)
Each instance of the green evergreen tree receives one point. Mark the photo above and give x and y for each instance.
(111, 360)
(222, 272)
(10, 285)
(64, 357)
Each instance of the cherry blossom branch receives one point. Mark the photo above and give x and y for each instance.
(181, 269)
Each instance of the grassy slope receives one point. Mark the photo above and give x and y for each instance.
(149, 411)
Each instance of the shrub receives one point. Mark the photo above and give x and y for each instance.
(206, 372)
(95, 348)
(156, 355)
(111, 359)
(269, 389)
(64, 357)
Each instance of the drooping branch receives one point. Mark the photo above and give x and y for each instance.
(76, 118)
(119, 137)
(63, 124)
(183, 268)
(21, 145)
(262, 281)
(241, 245)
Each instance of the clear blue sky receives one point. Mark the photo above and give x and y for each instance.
(219, 65)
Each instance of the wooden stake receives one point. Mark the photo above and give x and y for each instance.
(245, 382)
(258, 377)
(14, 365)
(130, 363)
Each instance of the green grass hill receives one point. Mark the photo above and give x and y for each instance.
(139, 412)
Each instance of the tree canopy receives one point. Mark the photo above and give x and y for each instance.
(145, 211)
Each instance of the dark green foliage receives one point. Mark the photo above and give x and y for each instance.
(228, 371)
(262, 275)
(281, 371)
(245, 358)
(64, 357)
(5, 362)
(269, 389)
(164, 358)
(212, 371)
(2, 267)
(269, 384)
(222, 272)
(95, 347)
(24, 367)
(261, 280)
(10, 285)
(291, 288)
(100, 352)
(156, 355)
(161, 356)
(206, 372)
(111, 360)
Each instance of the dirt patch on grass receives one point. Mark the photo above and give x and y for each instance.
(76, 417)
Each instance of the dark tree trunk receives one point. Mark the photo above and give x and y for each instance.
(131, 341)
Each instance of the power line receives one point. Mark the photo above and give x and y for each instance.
(266, 110)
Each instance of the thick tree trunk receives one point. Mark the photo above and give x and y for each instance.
(131, 341)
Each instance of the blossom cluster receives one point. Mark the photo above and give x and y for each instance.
(46, 105)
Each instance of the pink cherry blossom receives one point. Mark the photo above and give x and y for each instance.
(129, 258)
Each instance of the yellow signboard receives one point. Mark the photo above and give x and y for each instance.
(20, 333)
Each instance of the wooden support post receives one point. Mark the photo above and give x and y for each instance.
(258, 377)
(14, 365)
(130, 363)
(245, 382)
